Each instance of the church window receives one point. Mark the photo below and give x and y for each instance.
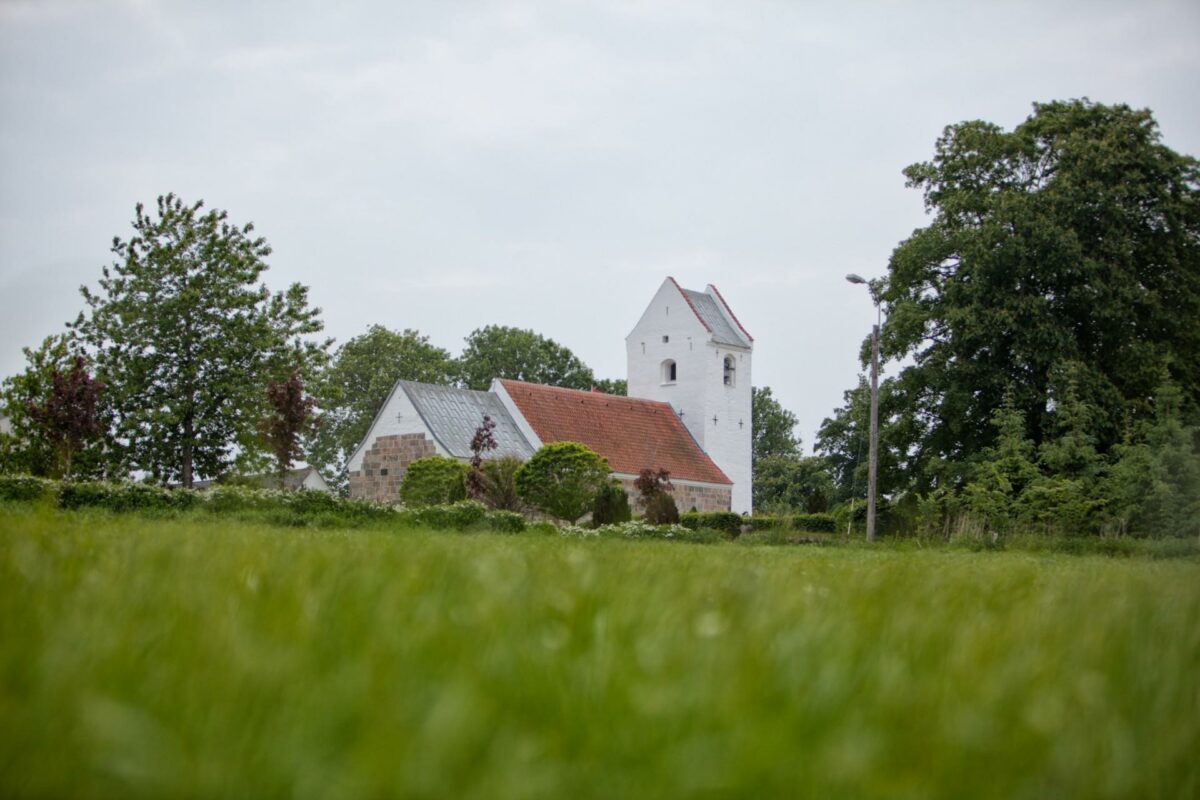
(668, 371)
(666, 339)
(729, 370)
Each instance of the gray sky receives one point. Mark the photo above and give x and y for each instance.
(443, 166)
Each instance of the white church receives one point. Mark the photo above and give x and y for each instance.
(688, 411)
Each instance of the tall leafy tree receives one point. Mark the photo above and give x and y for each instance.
(183, 333)
(356, 384)
(502, 352)
(787, 484)
(773, 426)
(1075, 236)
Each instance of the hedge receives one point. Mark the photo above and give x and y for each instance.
(293, 509)
(726, 521)
(814, 523)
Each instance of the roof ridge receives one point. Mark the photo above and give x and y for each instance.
(691, 305)
(729, 311)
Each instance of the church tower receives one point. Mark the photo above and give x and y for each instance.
(689, 350)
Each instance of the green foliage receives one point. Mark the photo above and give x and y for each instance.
(617, 386)
(785, 484)
(772, 427)
(813, 523)
(356, 384)
(660, 509)
(725, 521)
(562, 479)
(505, 522)
(1071, 239)
(29, 448)
(27, 488)
(432, 481)
(843, 441)
(179, 327)
(459, 516)
(500, 484)
(501, 352)
(385, 657)
(611, 506)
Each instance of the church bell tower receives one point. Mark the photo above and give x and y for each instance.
(689, 350)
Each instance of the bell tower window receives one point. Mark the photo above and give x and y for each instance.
(668, 371)
(730, 370)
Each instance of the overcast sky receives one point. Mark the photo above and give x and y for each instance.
(443, 166)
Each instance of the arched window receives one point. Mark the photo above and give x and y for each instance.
(668, 371)
(729, 370)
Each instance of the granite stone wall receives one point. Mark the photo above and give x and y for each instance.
(384, 464)
(712, 497)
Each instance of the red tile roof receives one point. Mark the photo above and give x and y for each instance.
(633, 434)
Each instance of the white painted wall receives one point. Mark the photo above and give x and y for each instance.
(313, 482)
(699, 391)
(398, 416)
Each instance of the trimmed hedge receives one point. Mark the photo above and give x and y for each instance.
(291, 509)
(814, 523)
(725, 521)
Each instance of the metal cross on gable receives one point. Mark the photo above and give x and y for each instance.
(714, 419)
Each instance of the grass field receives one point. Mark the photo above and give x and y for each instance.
(145, 658)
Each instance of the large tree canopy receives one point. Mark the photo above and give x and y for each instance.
(185, 338)
(356, 385)
(501, 352)
(1074, 238)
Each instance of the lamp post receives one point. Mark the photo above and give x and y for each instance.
(873, 458)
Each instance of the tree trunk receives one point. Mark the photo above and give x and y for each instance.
(186, 471)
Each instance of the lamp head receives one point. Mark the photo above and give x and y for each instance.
(856, 278)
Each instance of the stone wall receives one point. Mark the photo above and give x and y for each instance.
(711, 497)
(384, 464)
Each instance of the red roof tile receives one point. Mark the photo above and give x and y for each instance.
(633, 434)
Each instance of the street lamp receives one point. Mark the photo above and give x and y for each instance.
(873, 458)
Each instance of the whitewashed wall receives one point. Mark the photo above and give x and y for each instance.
(699, 391)
(399, 416)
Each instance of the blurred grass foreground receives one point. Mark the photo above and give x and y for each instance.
(200, 657)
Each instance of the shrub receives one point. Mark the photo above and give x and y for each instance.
(814, 523)
(456, 516)
(562, 479)
(661, 510)
(725, 521)
(26, 488)
(765, 522)
(505, 522)
(433, 481)
(500, 484)
(611, 506)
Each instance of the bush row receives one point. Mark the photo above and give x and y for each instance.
(295, 509)
(733, 524)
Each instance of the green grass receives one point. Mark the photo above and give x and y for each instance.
(192, 657)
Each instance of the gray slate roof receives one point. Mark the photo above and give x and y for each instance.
(711, 316)
(453, 415)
